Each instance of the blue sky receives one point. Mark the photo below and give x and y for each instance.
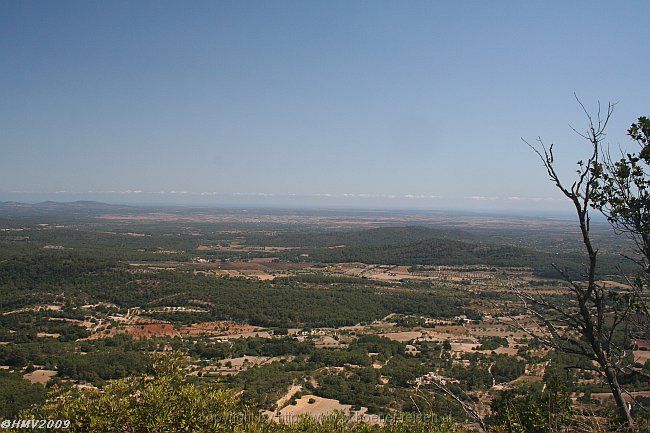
(369, 103)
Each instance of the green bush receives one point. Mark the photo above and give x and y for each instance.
(532, 409)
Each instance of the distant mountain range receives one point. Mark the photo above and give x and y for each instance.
(82, 207)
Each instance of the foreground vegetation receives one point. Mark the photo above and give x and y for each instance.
(167, 402)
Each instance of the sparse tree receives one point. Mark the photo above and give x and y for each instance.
(623, 196)
(623, 191)
(597, 320)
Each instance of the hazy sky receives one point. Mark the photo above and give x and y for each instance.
(417, 104)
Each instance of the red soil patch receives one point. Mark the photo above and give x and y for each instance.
(140, 330)
(217, 328)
